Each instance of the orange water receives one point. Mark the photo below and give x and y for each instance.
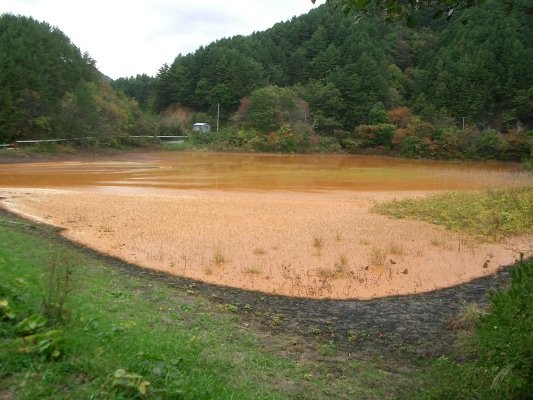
(256, 172)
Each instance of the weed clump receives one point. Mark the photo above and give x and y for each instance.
(342, 265)
(489, 215)
(28, 331)
(501, 345)
(258, 251)
(59, 276)
(339, 269)
(219, 256)
(396, 249)
(252, 270)
(378, 256)
(318, 242)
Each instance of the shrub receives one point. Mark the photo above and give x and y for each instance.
(449, 143)
(400, 116)
(503, 348)
(170, 127)
(375, 135)
(490, 144)
(422, 129)
(366, 134)
(413, 147)
(378, 115)
(200, 138)
(243, 137)
(384, 135)
(291, 140)
(399, 136)
(352, 145)
(519, 146)
(325, 144)
(528, 164)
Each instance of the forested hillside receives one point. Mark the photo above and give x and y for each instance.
(324, 81)
(442, 89)
(478, 66)
(49, 89)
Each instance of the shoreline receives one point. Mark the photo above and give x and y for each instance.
(7, 156)
(418, 322)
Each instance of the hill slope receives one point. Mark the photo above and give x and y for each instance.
(48, 88)
(478, 66)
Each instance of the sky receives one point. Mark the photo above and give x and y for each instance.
(130, 37)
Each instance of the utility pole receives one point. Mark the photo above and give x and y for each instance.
(464, 123)
(218, 115)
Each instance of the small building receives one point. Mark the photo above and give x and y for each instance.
(201, 127)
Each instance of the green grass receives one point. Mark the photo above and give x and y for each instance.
(498, 352)
(120, 334)
(489, 215)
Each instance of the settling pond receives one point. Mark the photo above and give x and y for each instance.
(251, 172)
(284, 224)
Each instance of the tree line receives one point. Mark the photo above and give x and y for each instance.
(457, 88)
(463, 84)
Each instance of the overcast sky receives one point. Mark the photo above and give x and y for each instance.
(129, 37)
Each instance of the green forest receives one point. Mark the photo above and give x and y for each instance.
(49, 89)
(450, 88)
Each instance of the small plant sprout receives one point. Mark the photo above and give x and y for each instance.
(252, 270)
(318, 242)
(396, 249)
(59, 275)
(378, 256)
(437, 242)
(219, 256)
(342, 265)
(277, 319)
(469, 315)
(259, 251)
(326, 273)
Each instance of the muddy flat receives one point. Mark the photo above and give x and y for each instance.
(292, 225)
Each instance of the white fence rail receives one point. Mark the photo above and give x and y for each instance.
(162, 138)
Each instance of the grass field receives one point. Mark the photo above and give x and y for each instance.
(74, 326)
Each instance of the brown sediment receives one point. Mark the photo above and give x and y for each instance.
(266, 241)
(308, 240)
